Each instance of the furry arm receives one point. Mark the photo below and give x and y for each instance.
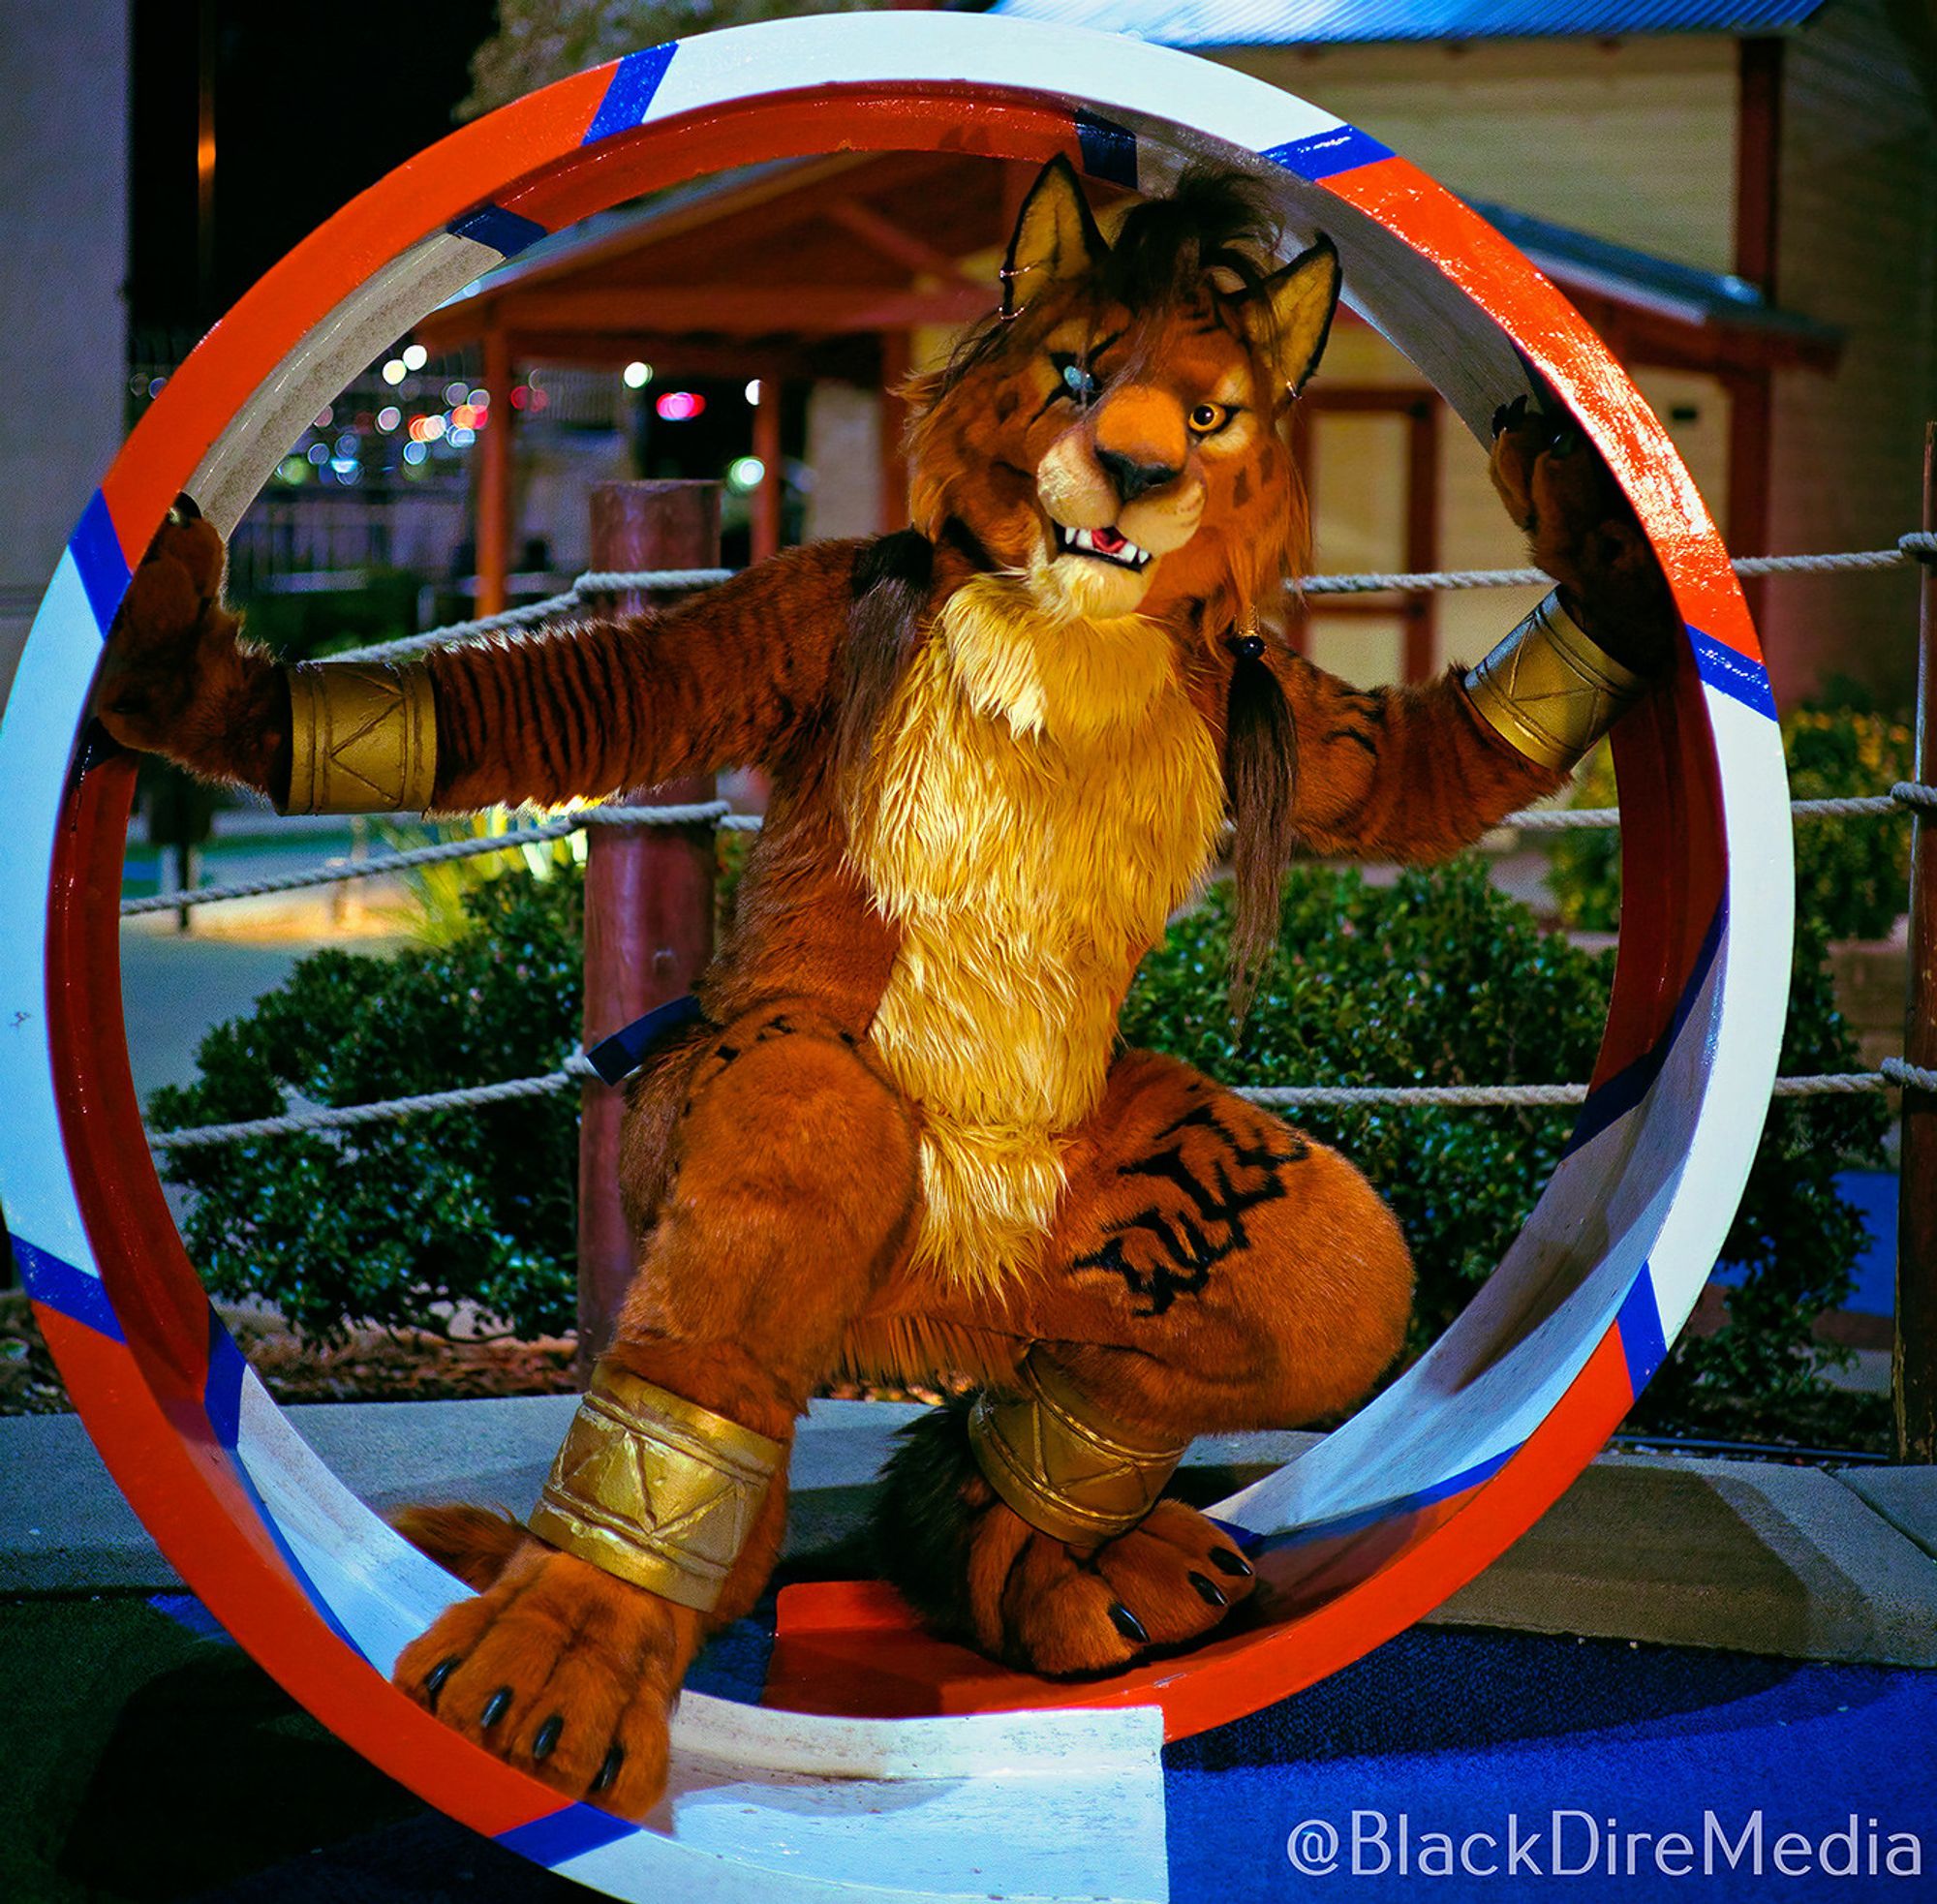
(1401, 773)
(729, 677)
(734, 676)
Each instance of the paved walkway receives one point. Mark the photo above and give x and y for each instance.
(1802, 1562)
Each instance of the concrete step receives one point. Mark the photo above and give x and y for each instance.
(1800, 1562)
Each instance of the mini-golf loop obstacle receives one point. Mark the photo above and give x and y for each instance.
(1356, 1538)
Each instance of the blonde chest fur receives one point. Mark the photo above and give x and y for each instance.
(1043, 797)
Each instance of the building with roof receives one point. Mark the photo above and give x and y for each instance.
(1742, 199)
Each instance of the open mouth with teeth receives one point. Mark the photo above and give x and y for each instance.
(1104, 545)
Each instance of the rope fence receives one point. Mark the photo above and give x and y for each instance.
(1903, 797)
(1917, 545)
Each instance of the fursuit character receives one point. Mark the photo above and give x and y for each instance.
(902, 1139)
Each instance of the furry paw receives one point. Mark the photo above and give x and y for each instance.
(1042, 1606)
(562, 1671)
(1582, 531)
(173, 643)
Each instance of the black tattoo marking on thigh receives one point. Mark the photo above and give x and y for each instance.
(1169, 1248)
(1366, 741)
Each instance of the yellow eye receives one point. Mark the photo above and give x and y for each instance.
(1208, 418)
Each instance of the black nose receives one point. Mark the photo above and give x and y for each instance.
(1133, 479)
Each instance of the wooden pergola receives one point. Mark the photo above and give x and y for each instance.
(823, 268)
(802, 270)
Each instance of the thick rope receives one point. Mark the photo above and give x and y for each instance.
(1451, 1097)
(1894, 1073)
(344, 1117)
(1900, 1071)
(1917, 545)
(706, 813)
(593, 582)
(1558, 820)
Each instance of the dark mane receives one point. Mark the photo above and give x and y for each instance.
(1215, 221)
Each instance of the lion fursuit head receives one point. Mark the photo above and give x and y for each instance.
(1115, 433)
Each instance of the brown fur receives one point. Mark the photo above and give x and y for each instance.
(1207, 1267)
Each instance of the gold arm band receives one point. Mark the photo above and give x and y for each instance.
(1063, 1463)
(1548, 691)
(362, 740)
(654, 1489)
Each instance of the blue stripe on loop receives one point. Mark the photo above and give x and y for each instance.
(507, 232)
(97, 555)
(1109, 150)
(1319, 155)
(629, 96)
(222, 1391)
(1731, 673)
(1626, 1089)
(561, 1835)
(1384, 1511)
(56, 1284)
(1644, 1341)
(222, 1402)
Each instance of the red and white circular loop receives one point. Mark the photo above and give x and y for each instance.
(1356, 1538)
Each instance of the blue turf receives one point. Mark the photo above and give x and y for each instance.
(1457, 1730)
(1874, 1195)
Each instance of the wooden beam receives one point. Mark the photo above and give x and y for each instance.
(495, 527)
(648, 899)
(894, 367)
(1422, 533)
(1758, 162)
(1914, 1360)
(732, 309)
(765, 528)
(901, 247)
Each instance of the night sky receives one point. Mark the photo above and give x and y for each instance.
(314, 101)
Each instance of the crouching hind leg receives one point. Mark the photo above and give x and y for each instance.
(1211, 1270)
(791, 1186)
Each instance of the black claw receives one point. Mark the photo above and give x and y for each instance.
(609, 1769)
(1227, 1561)
(1565, 440)
(186, 507)
(438, 1674)
(1208, 1590)
(495, 1708)
(1127, 1624)
(1510, 415)
(547, 1736)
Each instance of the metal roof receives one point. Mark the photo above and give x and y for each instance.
(1683, 292)
(1342, 22)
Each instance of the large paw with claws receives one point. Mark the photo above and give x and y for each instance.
(170, 627)
(562, 1671)
(1582, 531)
(1045, 1606)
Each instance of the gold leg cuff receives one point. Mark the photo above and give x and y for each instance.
(655, 1490)
(1063, 1463)
(1548, 691)
(362, 740)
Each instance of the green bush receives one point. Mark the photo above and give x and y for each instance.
(1851, 875)
(1436, 978)
(1442, 979)
(388, 1224)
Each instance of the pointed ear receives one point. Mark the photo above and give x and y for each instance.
(1056, 236)
(1290, 315)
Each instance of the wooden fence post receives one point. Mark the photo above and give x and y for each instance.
(648, 893)
(1914, 1359)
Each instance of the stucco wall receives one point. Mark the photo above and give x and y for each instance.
(64, 236)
